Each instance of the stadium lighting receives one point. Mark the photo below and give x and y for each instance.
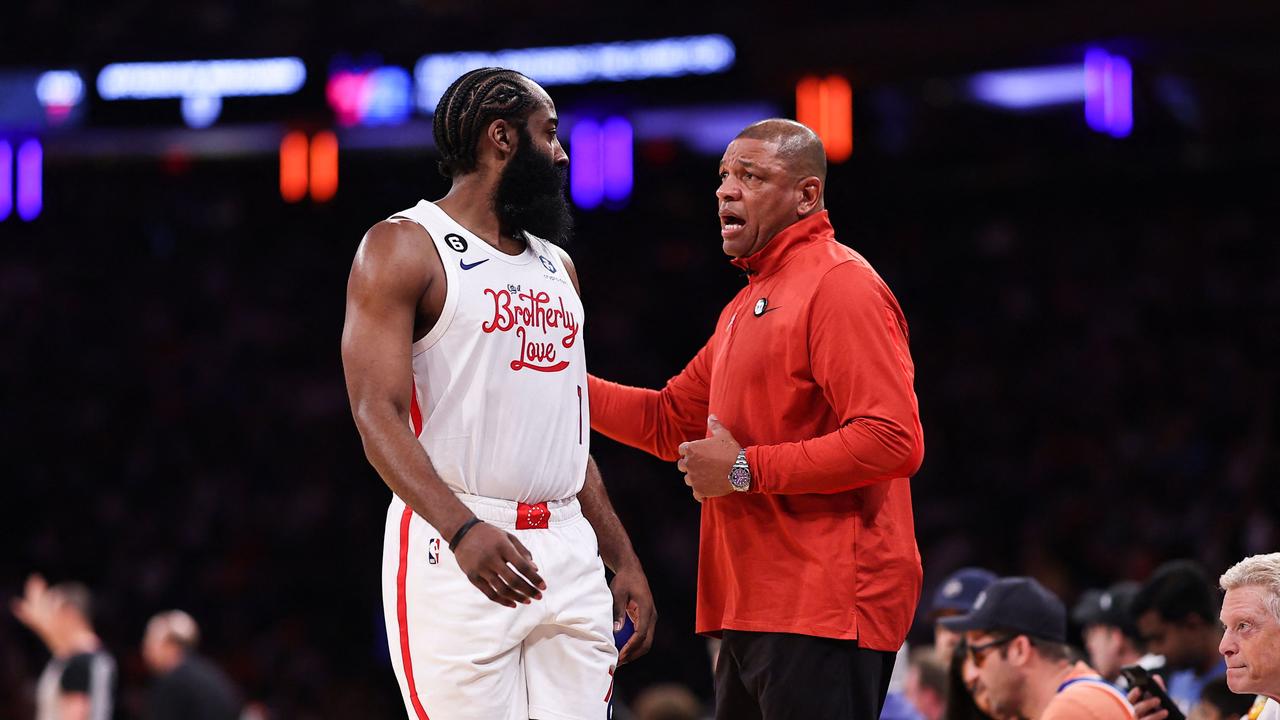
(586, 164)
(6, 179)
(601, 164)
(619, 167)
(59, 91)
(1108, 99)
(825, 105)
(1104, 83)
(581, 64)
(30, 180)
(201, 84)
(370, 96)
(1029, 88)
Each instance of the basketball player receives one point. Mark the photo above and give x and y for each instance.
(465, 369)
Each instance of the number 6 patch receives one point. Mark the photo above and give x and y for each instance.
(456, 242)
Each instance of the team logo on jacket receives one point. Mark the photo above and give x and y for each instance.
(542, 327)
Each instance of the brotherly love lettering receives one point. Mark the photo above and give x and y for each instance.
(528, 311)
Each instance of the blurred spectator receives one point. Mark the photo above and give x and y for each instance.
(1251, 642)
(955, 597)
(78, 683)
(1016, 639)
(187, 686)
(1217, 702)
(926, 686)
(896, 705)
(1110, 635)
(667, 701)
(1176, 612)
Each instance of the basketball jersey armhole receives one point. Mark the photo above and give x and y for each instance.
(426, 342)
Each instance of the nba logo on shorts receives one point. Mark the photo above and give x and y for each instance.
(433, 551)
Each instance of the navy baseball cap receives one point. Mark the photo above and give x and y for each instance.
(960, 589)
(1017, 604)
(1108, 607)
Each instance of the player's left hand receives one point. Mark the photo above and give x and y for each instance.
(706, 463)
(631, 595)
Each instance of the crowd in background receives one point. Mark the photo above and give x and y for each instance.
(1095, 369)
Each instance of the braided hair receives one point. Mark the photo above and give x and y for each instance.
(472, 102)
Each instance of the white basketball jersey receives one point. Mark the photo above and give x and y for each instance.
(500, 383)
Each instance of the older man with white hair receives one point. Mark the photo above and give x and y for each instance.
(187, 687)
(1251, 638)
(1250, 642)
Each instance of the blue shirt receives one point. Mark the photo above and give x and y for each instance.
(896, 707)
(1185, 686)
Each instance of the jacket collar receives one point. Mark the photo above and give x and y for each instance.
(775, 253)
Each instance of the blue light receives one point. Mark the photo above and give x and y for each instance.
(200, 111)
(619, 172)
(221, 78)
(586, 165)
(704, 128)
(1120, 94)
(1108, 102)
(1095, 95)
(201, 84)
(6, 179)
(30, 170)
(1028, 88)
(580, 64)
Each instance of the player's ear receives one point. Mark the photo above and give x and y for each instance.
(501, 135)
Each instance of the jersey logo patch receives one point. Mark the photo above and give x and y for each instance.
(455, 242)
(547, 264)
(433, 551)
(467, 266)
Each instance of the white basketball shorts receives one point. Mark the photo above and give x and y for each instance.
(460, 656)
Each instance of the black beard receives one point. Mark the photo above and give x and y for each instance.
(530, 195)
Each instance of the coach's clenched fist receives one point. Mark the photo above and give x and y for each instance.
(706, 463)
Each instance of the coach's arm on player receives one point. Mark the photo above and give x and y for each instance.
(396, 279)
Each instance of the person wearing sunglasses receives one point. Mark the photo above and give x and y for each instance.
(1018, 657)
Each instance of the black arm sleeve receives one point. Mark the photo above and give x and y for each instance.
(76, 675)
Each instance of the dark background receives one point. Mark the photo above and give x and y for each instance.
(1094, 321)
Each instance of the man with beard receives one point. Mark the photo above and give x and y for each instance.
(1015, 638)
(464, 364)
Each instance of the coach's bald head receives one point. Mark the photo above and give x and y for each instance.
(798, 146)
(771, 175)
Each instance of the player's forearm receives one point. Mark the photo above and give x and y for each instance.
(404, 466)
(615, 544)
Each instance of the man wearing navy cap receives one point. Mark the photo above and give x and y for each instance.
(1016, 636)
(955, 596)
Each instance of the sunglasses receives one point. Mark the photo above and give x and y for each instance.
(978, 653)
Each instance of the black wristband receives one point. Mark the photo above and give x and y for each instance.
(462, 532)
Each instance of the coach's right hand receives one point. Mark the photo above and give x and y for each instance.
(497, 563)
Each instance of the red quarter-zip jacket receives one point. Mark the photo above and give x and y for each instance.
(809, 369)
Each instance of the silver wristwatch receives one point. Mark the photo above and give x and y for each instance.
(740, 473)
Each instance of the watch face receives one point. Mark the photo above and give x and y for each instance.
(740, 478)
